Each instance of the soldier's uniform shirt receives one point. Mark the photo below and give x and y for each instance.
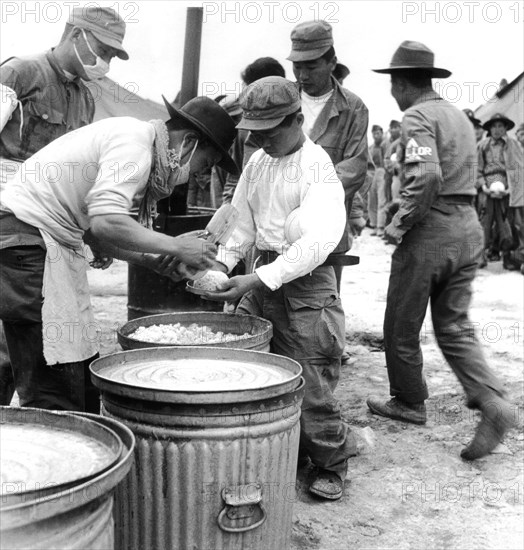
(52, 104)
(435, 162)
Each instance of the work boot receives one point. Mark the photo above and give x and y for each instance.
(327, 485)
(398, 410)
(497, 418)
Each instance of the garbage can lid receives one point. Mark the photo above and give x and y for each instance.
(43, 452)
(196, 374)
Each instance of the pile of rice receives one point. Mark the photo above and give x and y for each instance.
(178, 334)
(211, 280)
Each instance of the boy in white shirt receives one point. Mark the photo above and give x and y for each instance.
(292, 285)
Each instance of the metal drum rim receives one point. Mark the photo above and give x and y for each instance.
(124, 339)
(62, 420)
(81, 495)
(196, 397)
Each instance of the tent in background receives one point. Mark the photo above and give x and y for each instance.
(112, 99)
(509, 101)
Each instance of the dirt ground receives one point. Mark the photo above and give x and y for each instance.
(408, 488)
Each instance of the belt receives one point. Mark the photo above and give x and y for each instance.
(456, 199)
(269, 256)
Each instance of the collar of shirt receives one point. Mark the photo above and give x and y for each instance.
(50, 55)
(429, 96)
(317, 99)
(500, 141)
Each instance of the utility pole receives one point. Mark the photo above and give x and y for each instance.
(191, 65)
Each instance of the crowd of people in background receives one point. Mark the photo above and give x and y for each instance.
(499, 201)
(500, 158)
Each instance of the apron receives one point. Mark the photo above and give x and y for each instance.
(69, 331)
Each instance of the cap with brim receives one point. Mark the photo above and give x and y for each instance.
(310, 40)
(414, 56)
(104, 23)
(266, 103)
(112, 42)
(231, 106)
(498, 117)
(307, 55)
(206, 116)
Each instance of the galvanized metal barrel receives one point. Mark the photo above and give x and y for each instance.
(259, 331)
(217, 442)
(72, 516)
(149, 293)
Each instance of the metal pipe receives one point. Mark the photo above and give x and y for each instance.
(191, 65)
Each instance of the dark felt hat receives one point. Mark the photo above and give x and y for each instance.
(498, 117)
(341, 71)
(414, 56)
(471, 115)
(206, 116)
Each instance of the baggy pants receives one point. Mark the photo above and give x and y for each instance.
(377, 200)
(309, 327)
(436, 262)
(65, 386)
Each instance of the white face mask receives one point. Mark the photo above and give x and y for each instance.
(96, 71)
(180, 173)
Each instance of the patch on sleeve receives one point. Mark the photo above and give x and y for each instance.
(416, 152)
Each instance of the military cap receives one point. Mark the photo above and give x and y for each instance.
(104, 23)
(266, 102)
(310, 40)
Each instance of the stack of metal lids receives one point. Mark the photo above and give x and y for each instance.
(45, 452)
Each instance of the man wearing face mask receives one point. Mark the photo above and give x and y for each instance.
(80, 188)
(46, 98)
(47, 91)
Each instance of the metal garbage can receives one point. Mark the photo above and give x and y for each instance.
(217, 443)
(149, 293)
(59, 474)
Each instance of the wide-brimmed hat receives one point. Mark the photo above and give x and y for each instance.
(414, 56)
(498, 117)
(471, 115)
(310, 40)
(341, 71)
(267, 102)
(105, 24)
(206, 116)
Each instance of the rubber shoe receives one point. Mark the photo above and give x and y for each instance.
(327, 485)
(497, 419)
(398, 410)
